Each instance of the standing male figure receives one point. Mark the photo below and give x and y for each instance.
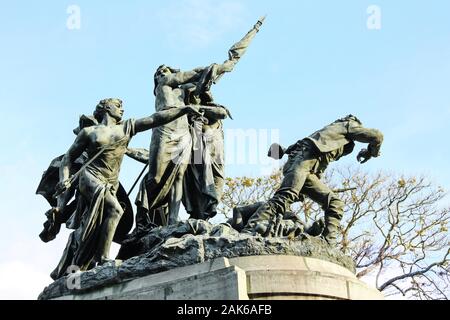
(308, 159)
(205, 176)
(169, 148)
(171, 145)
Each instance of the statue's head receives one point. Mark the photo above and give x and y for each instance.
(162, 71)
(111, 106)
(350, 117)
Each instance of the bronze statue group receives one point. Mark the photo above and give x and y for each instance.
(185, 165)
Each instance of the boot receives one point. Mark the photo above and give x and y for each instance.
(259, 221)
(316, 228)
(331, 230)
(237, 222)
(241, 215)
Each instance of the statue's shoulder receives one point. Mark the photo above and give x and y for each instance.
(86, 131)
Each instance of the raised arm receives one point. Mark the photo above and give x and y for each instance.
(227, 66)
(373, 137)
(237, 51)
(163, 117)
(182, 77)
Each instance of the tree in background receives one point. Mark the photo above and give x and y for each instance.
(395, 228)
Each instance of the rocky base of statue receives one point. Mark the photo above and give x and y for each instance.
(191, 243)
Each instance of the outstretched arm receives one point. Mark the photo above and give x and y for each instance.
(164, 117)
(227, 66)
(182, 77)
(141, 155)
(238, 50)
(373, 137)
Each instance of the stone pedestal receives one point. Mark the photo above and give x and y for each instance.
(243, 278)
(301, 278)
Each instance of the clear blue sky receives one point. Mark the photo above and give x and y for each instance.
(312, 62)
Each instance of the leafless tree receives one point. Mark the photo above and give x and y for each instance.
(394, 227)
